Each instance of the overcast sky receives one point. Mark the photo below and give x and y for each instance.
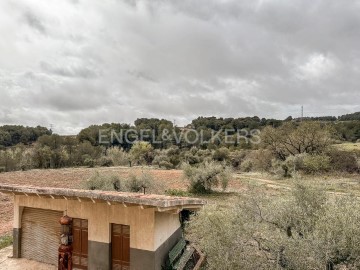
(73, 63)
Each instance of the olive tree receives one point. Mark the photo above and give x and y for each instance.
(305, 229)
(206, 176)
(141, 152)
(292, 139)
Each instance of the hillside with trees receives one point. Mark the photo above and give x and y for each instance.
(24, 148)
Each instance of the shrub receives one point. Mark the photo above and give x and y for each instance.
(166, 164)
(5, 241)
(221, 154)
(343, 161)
(261, 159)
(206, 176)
(86, 150)
(277, 168)
(192, 158)
(174, 155)
(295, 163)
(133, 184)
(246, 165)
(144, 181)
(236, 158)
(316, 163)
(142, 152)
(103, 182)
(118, 156)
(177, 192)
(289, 167)
(105, 162)
(89, 162)
(162, 160)
(302, 230)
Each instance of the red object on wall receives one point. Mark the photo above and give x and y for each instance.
(65, 260)
(65, 249)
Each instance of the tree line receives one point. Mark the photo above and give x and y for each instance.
(23, 148)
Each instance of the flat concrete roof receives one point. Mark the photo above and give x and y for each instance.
(126, 198)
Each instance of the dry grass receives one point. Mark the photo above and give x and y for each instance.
(349, 147)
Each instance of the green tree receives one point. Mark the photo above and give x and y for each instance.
(207, 176)
(301, 230)
(292, 139)
(221, 154)
(142, 152)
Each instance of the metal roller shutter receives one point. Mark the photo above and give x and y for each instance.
(40, 238)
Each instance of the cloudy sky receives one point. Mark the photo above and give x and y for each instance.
(73, 63)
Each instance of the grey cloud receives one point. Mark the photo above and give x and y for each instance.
(141, 75)
(116, 61)
(33, 21)
(71, 70)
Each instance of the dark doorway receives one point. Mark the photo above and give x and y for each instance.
(120, 247)
(80, 244)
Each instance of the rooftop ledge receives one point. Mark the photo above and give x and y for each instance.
(127, 199)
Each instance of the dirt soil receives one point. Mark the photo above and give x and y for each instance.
(74, 177)
(6, 262)
(168, 179)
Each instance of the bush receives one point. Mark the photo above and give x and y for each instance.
(316, 163)
(162, 160)
(191, 157)
(103, 182)
(206, 176)
(295, 163)
(343, 161)
(5, 241)
(105, 162)
(302, 230)
(177, 193)
(236, 158)
(221, 154)
(118, 156)
(133, 184)
(142, 152)
(144, 181)
(246, 165)
(89, 162)
(166, 164)
(289, 167)
(260, 159)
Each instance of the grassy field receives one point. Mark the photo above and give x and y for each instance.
(350, 147)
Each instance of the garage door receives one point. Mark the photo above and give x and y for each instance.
(40, 238)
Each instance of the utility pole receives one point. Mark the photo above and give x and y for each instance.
(302, 112)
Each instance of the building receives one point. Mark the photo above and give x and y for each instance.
(110, 230)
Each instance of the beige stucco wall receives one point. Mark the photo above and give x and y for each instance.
(165, 225)
(148, 229)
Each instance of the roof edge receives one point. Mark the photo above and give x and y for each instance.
(109, 196)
